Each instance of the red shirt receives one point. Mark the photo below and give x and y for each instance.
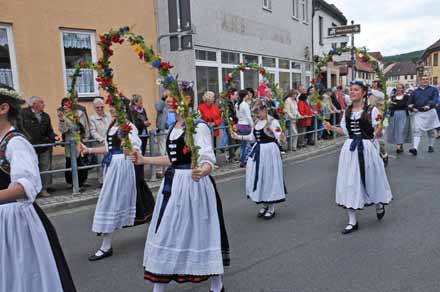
(211, 114)
(305, 110)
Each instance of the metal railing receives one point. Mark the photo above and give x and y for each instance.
(153, 144)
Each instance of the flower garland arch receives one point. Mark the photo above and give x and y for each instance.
(229, 83)
(115, 97)
(366, 58)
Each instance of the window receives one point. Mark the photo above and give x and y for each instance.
(296, 80)
(334, 45)
(406, 77)
(230, 58)
(207, 79)
(236, 80)
(283, 64)
(284, 82)
(77, 46)
(435, 81)
(250, 59)
(435, 59)
(269, 62)
(296, 65)
(321, 30)
(308, 67)
(267, 5)
(344, 44)
(206, 55)
(295, 9)
(250, 79)
(412, 76)
(305, 10)
(8, 65)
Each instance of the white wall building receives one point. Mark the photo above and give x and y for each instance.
(402, 72)
(273, 33)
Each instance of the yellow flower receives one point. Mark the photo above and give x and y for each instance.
(138, 49)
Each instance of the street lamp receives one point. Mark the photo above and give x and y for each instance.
(178, 34)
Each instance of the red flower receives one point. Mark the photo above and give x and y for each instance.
(278, 130)
(82, 64)
(166, 66)
(364, 59)
(378, 118)
(262, 71)
(68, 104)
(280, 111)
(313, 81)
(126, 128)
(108, 100)
(185, 150)
(141, 55)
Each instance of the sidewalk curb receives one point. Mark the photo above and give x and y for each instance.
(90, 198)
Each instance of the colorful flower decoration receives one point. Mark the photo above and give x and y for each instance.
(363, 54)
(116, 97)
(229, 83)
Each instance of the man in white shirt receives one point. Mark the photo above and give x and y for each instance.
(99, 124)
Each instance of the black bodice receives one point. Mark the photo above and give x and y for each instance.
(113, 141)
(361, 128)
(262, 137)
(5, 167)
(177, 150)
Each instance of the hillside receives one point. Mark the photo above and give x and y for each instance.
(412, 56)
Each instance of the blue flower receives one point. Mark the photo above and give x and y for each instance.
(156, 64)
(169, 79)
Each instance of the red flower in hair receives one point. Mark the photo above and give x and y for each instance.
(68, 104)
(185, 150)
(126, 128)
(378, 118)
(278, 130)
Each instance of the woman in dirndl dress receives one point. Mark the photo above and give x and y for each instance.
(361, 180)
(187, 240)
(31, 258)
(264, 169)
(116, 207)
(399, 128)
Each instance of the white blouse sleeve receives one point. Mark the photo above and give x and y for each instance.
(249, 115)
(344, 125)
(375, 120)
(276, 129)
(134, 138)
(202, 139)
(24, 166)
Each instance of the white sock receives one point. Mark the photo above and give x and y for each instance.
(416, 142)
(352, 217)
(271, 208)
(159, 287)
(431, 141)
(106, 243)
(216, 283)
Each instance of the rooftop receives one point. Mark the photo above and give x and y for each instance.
(402, 68)
(332, 10)
(434, 47)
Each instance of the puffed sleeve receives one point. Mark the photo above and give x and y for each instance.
(276, 129)
(202, 139)
(134, 138)
(344, 125)
(24, 166)
(375, 117)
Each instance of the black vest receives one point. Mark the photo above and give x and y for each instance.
(361, 128)
(5, 167)
(178, 152)
(262, 137)
(113, 141)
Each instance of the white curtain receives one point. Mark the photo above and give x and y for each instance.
(77, 40)
(6, 77)
(85, 83)
(3, 37)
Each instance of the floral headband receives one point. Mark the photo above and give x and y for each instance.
(9, 93)
(359, 83)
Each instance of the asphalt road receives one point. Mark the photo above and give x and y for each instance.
(301, 249)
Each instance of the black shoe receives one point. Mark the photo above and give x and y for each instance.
(105, 254)
(223, 290)
(381, 214)
(352, 229)
(269, 215)
(262, 212)
(431, 149)
(398, 151)
(413, 151)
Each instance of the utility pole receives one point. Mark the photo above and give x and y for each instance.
(353, 61)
